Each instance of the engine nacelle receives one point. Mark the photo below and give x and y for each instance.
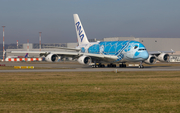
(51, 57)
(151, 60)
(84, 60)
(163, 57)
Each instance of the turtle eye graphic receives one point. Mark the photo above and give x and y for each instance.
(135, 47)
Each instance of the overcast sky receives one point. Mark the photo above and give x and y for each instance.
(24, 19)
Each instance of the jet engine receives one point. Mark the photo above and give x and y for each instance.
(84, 60)
(151, 60)
(163, 57)
(51, 57)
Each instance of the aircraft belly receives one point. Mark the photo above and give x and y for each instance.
(102, 60)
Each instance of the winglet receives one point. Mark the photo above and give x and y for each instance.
(172, 51)
(81, 35)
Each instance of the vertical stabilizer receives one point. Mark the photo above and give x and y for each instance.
(81, 35)
(26, 55)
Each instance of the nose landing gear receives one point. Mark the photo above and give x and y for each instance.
(140, 65)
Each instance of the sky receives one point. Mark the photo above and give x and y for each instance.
(24, 19)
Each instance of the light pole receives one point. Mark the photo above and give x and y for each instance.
(40, 41)
(3, 43)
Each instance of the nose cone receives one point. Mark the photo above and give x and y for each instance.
(141, 55)
(144, 55)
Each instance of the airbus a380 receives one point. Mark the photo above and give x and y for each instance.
(109, 52)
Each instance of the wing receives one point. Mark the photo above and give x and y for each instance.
(101, 56)
(29, 52)
(160, 55)
(69, 54)
(65, 48)
(159, 52)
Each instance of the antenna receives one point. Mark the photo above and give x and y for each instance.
(17, 44)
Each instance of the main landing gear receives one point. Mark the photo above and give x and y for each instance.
(97, 65)
(122, 65)
(114, 65)
(111, 65)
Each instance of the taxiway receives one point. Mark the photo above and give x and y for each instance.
(75, 67)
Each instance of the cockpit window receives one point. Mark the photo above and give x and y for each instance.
(141, 49)
(135, 47)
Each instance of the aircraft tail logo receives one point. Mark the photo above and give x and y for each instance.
(81, 35)
(26, 55)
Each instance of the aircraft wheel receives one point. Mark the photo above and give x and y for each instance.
(110, 65)
(102, 65)
(141, 66)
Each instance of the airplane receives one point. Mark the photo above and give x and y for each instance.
(26, 55)
(98, 53)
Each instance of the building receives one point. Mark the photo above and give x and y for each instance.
(35, 47)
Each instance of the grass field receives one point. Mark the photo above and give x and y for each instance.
(102, 92)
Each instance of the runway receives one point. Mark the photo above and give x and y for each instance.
(75, 67)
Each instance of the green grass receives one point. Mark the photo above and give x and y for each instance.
(102, 92)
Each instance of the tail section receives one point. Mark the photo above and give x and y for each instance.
(81, 35)
(26, 55)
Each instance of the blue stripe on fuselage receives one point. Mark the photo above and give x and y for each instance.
(108, 48)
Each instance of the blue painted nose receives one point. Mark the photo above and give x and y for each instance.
(145, 55)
